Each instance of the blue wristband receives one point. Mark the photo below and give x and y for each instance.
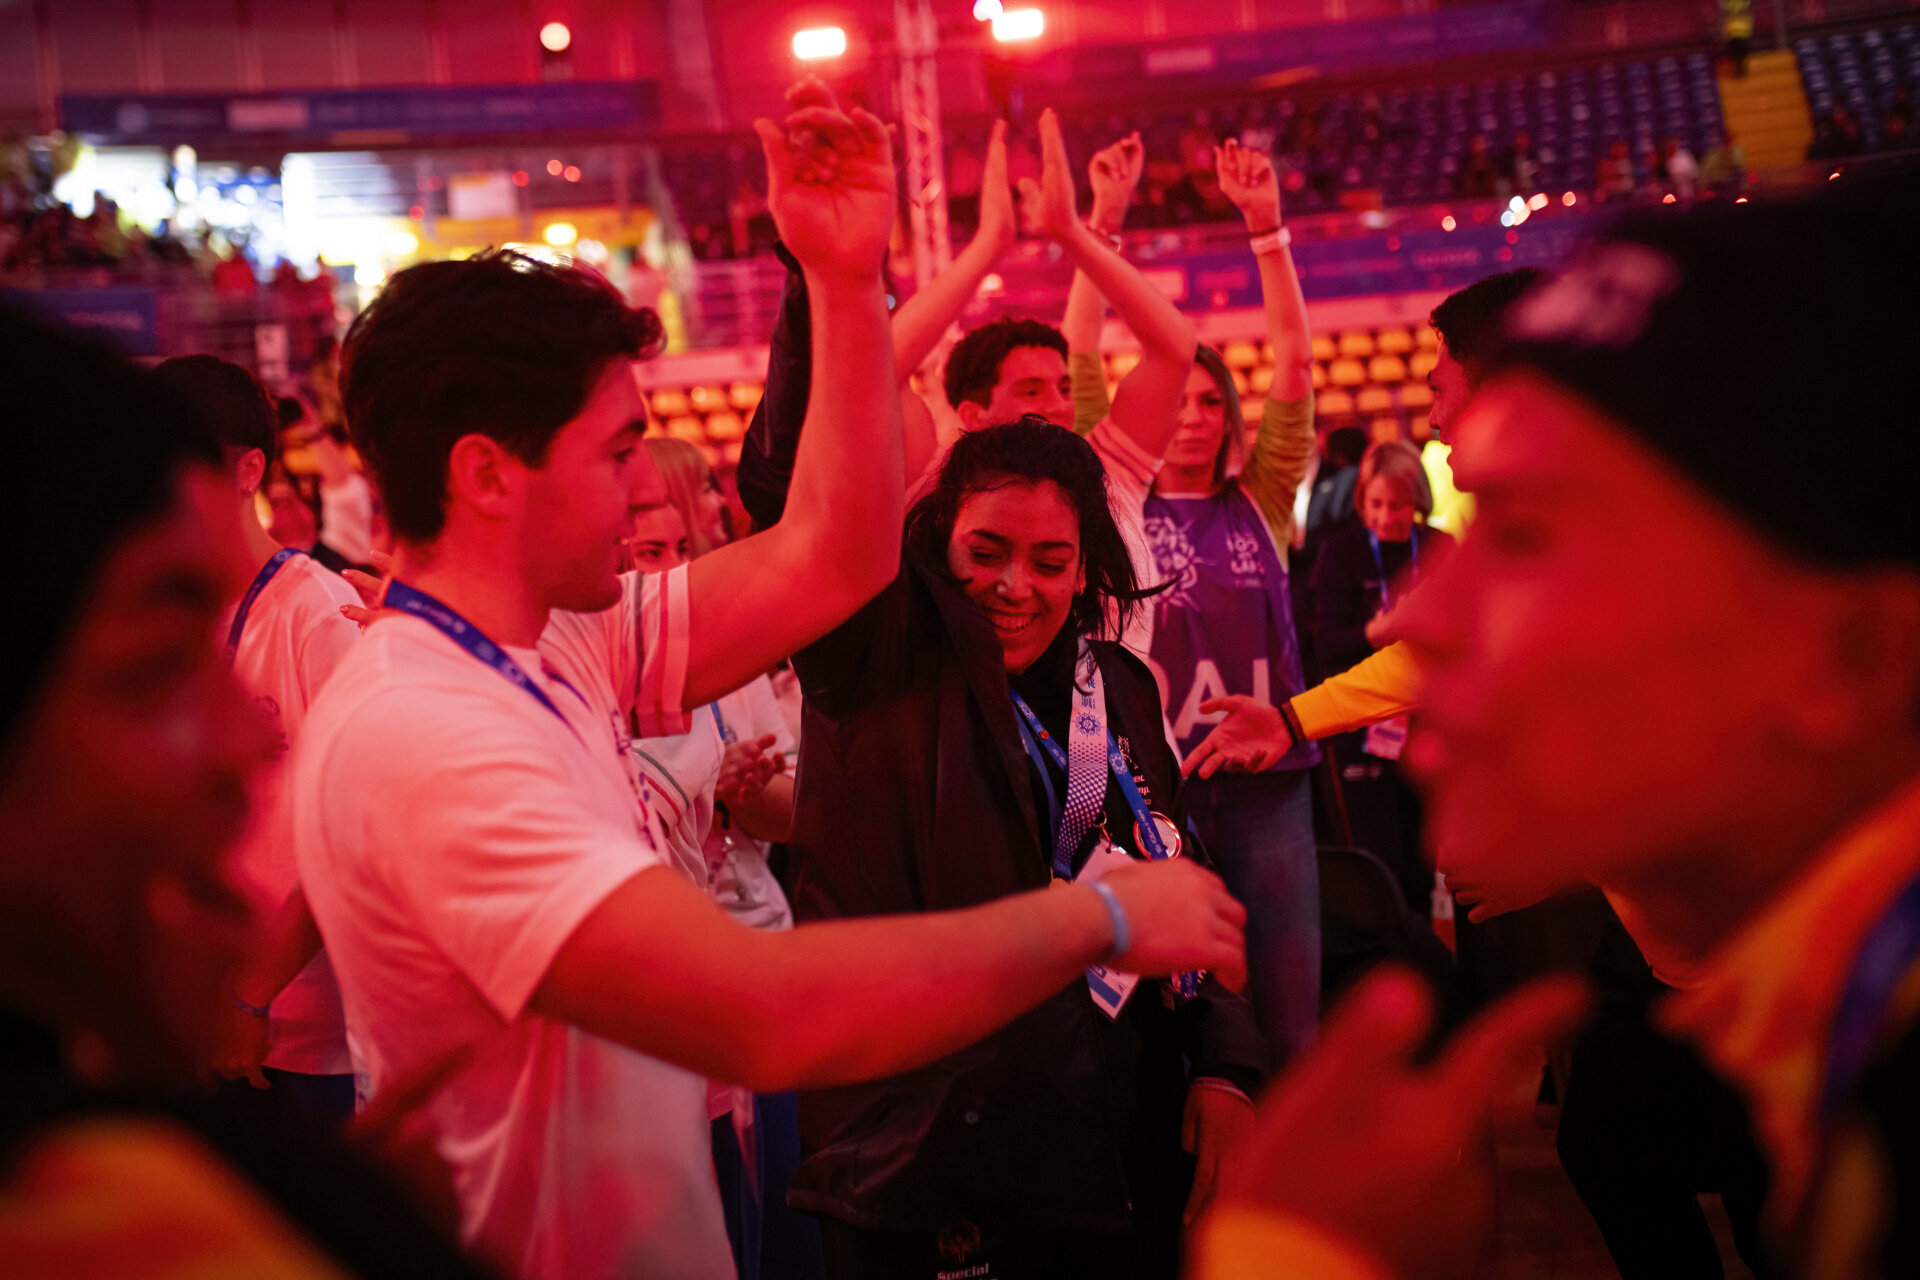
(252, 1010)
(1122, 935)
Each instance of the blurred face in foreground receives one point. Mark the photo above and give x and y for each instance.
(126, 784)
(1625, 685)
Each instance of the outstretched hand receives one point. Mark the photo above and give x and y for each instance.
(1391, 1155)
(1048, 204)
(1181, 918)
(830, 184)
(1249, 740)
(1247, 178)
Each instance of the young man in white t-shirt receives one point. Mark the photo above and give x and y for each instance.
(283, 1025)
(469, 829)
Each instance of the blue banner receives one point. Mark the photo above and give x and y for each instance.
(127, 317)
(366, 114)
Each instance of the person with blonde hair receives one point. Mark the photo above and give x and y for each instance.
(1359, 578)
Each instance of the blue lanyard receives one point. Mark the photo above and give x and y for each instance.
(1878, 972)
(260, 581)
(1030, 730)
(726, 739)
(469, 637)
(1413, 550)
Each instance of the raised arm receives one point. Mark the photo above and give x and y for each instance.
(1114, 173)
(658, 967)
(1146, 407)
(1284, 447)
(831, 189)
(921, 321)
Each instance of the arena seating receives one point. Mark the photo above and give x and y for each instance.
(1375, 378)
(1859, 70)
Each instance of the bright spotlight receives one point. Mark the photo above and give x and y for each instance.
(402, 244)
(555, 37)
(1019, 24)
(1569, 199)
(1447, 223)
(819, 42)
(559, 234)
(1538, 201)
(986, 10)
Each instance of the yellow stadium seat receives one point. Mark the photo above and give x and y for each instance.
(713, 455)
(1415, 395)
(1421, 427)
(1395, 342)
(685, 426)
(730, 453)
(1121, 363)
(1258, 380)
(1373, 400)
(1426, 337)
(1323, 348)
(744, 396)
(670, 404)
(1387, 369)
(1422, 364)
(1333, 403)
(1346, 372)
(725, 425)
(707, 399)
(1381, 430)
(1357, 343)
(1239, 380)
(1241, 355)
(1319, 377)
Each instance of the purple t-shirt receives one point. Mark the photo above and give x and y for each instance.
(1225, 625)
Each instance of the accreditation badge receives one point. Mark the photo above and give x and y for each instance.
(1110, 988)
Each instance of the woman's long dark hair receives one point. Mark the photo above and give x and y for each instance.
(1024, 452)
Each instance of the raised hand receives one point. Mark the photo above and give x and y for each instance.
(1388, 1154)
(1048, 204)
(1248, 179)
(747, 768)
(830, 184)
(1249, 740)
(1115, 172)
(1181, 918)
(999, 227)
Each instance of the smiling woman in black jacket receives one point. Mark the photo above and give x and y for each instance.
(1053, 1147)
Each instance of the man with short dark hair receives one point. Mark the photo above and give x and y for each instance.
(472, 829)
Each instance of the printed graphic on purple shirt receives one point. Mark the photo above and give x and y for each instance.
(1225, 624)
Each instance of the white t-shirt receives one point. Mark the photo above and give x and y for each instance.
(452, 834)
(293, 638)
(1130, 475)
(685, 769)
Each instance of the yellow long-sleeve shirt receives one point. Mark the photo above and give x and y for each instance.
(1375, 689)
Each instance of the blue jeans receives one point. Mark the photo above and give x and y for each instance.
(769, 1238)
(1259, 829)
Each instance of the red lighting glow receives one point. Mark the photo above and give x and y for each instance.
(1569, 199)
(417, 213)
(1447, 223)
(572, 173)
(554, 167)
(519, 177)
(555, 37)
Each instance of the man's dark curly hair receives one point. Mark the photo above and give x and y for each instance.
(1470, 319)
(973, 370)
(1027, 451)
(228, 399)
(501, 344)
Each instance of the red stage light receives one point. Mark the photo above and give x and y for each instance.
(572, 174)
(555, 37)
